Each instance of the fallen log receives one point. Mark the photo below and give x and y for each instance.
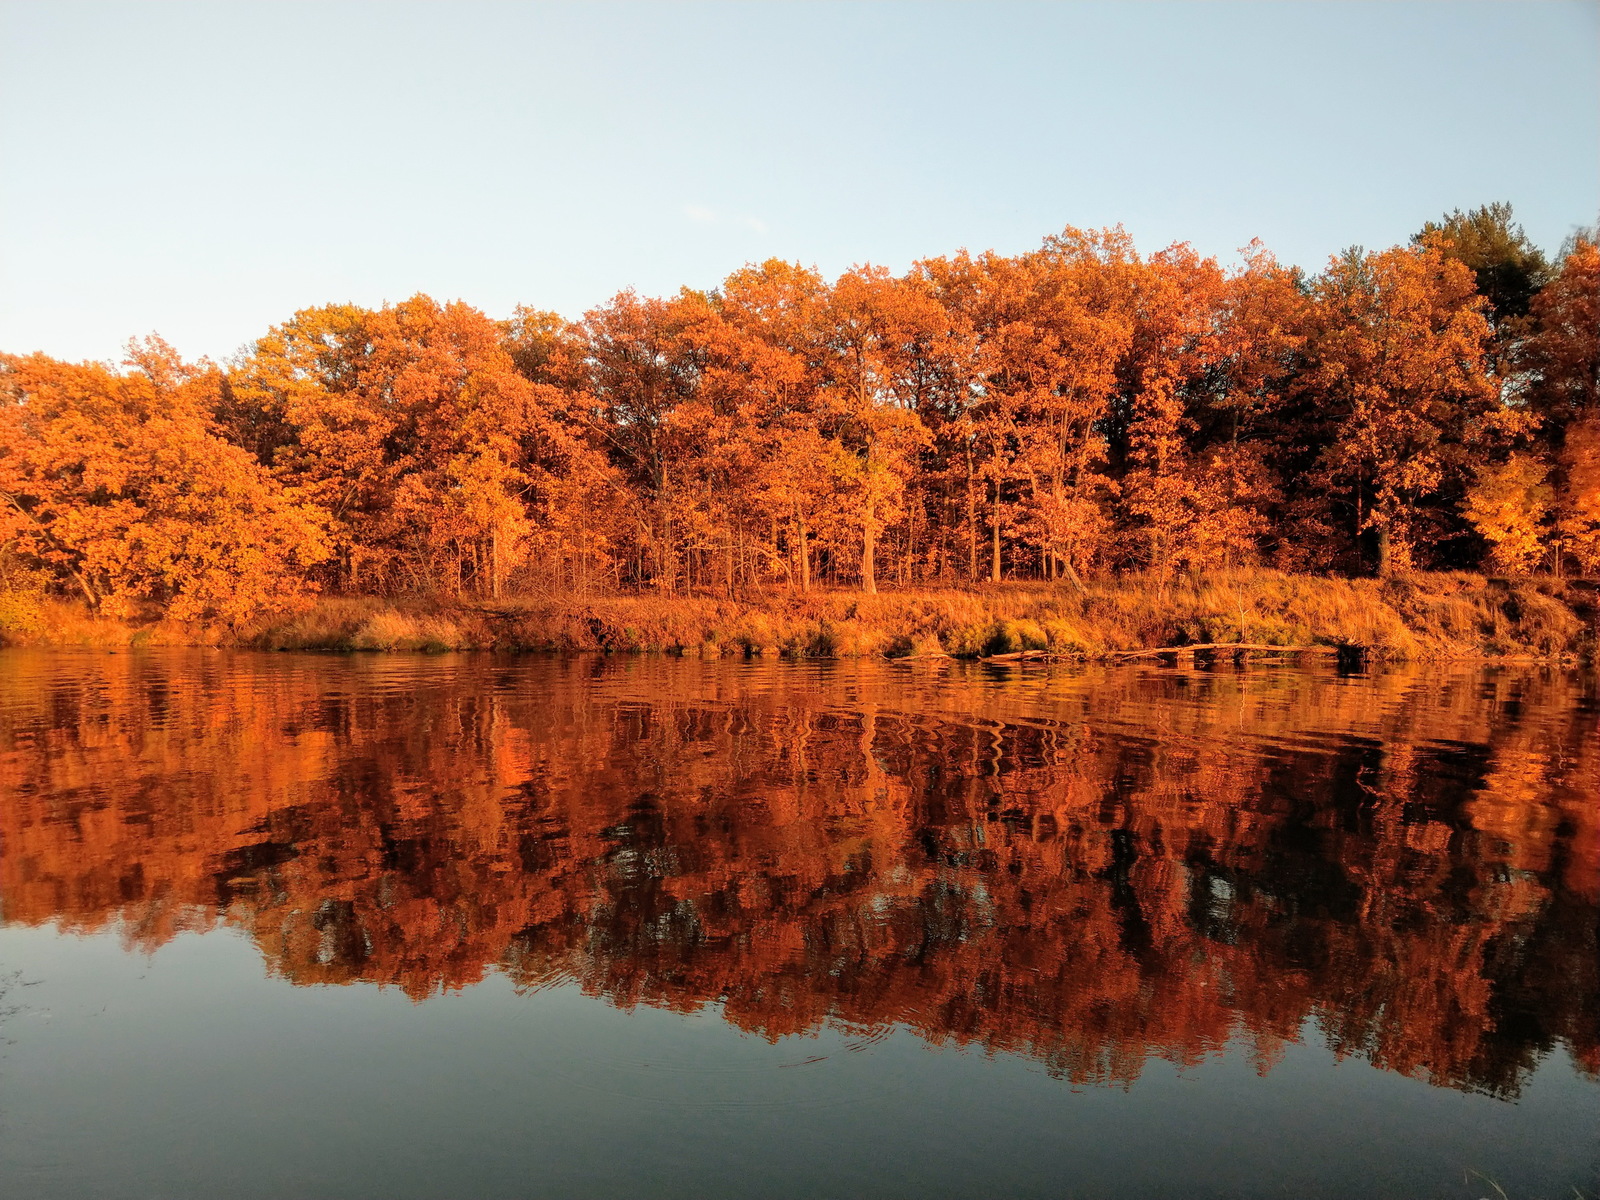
(1155, 651)
(1233, 646)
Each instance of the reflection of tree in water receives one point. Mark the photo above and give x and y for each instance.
(1089, 868)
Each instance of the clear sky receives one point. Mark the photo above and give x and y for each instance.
(205, 170)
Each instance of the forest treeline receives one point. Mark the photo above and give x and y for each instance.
(1075, 411)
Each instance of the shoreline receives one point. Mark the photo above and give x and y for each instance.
(1443, 616)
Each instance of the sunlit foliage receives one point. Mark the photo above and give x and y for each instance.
(1074, 410)
(121, 484)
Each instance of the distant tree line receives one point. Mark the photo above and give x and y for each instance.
(1073, 410)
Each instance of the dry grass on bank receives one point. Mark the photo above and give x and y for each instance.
(1419, 616)
(1413, 617)
(32, 619)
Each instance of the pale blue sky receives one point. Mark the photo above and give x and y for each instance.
(205, 170)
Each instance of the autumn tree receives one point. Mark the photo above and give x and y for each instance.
(638, 368)
(1053, 337)
(954, 405)
(118, 482)
(1168, 496)
(544, 347)
(1508, 504)
(1242, 443)
(1562, 350)
(1578, 495)
(768, 372)
(412, 426)
(873, 319)
(1398, 376)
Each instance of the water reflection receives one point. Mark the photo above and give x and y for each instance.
(1090, 867)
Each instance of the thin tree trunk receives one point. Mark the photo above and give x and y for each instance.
(1360, 522)
(869, 579)
(805, 560)
(994, 526)
(972, 521)
(1071, 573)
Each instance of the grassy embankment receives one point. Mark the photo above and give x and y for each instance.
(1418, 616)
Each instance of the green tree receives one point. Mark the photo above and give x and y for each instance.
(1508, 268)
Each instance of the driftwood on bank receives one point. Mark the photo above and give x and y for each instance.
(1157, 651)
(1229, 646)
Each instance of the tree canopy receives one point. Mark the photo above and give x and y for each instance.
(1077, 408)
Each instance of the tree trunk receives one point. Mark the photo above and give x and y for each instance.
(669, 558)
(972, 522)
(869, 574)
(805, 560)
(994, 525)
(1385, 563)
(1071, 573)
(1361, 522)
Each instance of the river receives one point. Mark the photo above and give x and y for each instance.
(464, 925)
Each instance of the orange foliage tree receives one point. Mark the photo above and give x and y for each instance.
(1397, 367)
(1562, 356)
(1053, 336)
(1507, 504)
(442, 464)
(119, 483)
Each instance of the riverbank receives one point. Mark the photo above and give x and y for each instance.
(1410, 617)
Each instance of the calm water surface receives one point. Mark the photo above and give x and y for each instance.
(280, 925)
